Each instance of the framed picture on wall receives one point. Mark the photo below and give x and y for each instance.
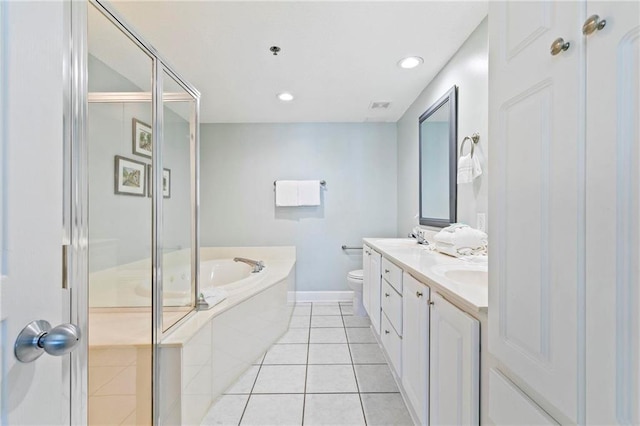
(142, 140)
(166, 181)
(130, 176)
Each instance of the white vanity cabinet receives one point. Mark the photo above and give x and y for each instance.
(454, 365)
(372, 280)
(415, 345)
(563, 196)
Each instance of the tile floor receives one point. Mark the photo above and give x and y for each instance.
(326, 370)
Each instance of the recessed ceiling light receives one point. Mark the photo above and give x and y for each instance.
(410, 62)
(285, 96)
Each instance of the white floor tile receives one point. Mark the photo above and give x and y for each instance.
(274, 410)
(226, 410)
(295, 335)
(325, 310)
(329, 354)
(360, 335)
(299, 322)
(280, 379)
(286, 354)
(353, 321)
(375, 378)
(385, 409)
(333, 409)
(346, 309)
(367, 353)
(326, 321)
(302, 310)
(328, 335)
(331, 379)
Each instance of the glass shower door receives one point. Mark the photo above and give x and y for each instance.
(119, 144)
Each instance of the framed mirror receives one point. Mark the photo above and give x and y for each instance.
(438, 130)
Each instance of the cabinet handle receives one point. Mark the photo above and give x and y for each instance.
(386, 295)
(386, 271)
(592, 24)
(431, 302)
(386, 332)
(559, 45)
(418, 294)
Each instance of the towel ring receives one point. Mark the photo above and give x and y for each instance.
(474, 140)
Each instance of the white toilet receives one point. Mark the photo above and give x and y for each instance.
(354, 278)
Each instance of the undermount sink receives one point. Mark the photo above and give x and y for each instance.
(475, 275)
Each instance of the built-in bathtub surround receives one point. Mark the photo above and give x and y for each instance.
(212, 348)
(467, 69)
(203, 353)
(240, 162)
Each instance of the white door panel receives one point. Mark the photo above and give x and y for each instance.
(32, 286)
(454, 365)
(613, 197)
(535, 195)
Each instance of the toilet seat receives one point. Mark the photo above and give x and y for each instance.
(355, 275)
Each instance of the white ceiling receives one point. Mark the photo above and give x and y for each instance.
(336, 58)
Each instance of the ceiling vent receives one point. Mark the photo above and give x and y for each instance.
(380, 105)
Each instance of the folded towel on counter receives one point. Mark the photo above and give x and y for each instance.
(468, 168)
(286, 193)
(309, 193)
(213, 295)
(464, 240)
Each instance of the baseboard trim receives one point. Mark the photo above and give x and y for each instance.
(324, 296)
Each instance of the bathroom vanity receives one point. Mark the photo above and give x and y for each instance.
(427, 311)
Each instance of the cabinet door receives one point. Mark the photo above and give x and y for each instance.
(415, 345)
(454, 382)
(613, 209)
(536, 196)
(366, 284)
(375, 278)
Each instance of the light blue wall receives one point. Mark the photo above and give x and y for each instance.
(239, 163)
(468, 69)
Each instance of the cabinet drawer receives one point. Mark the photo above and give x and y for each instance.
(392, 274)
(392, 344)
(508, 405)
(392, 306)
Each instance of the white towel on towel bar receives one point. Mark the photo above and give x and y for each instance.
(309, 193)
(286, 193)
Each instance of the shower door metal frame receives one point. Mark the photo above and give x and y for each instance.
(76, 190)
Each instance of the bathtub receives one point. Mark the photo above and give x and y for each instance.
(220, 273)
(210, 349)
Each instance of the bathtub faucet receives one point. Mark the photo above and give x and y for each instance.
(258, 265)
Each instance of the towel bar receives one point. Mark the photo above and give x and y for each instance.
(346, 247)
(322, 183)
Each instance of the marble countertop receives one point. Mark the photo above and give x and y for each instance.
(427, 266)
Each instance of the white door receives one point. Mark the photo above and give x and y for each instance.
(375, 279)
(415, 345)
(454, 366)
(537, 198)
(613, 209)
(32, 208)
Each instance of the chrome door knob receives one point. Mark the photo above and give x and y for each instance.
(38, 337)
(559, 45)
(592, 24)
